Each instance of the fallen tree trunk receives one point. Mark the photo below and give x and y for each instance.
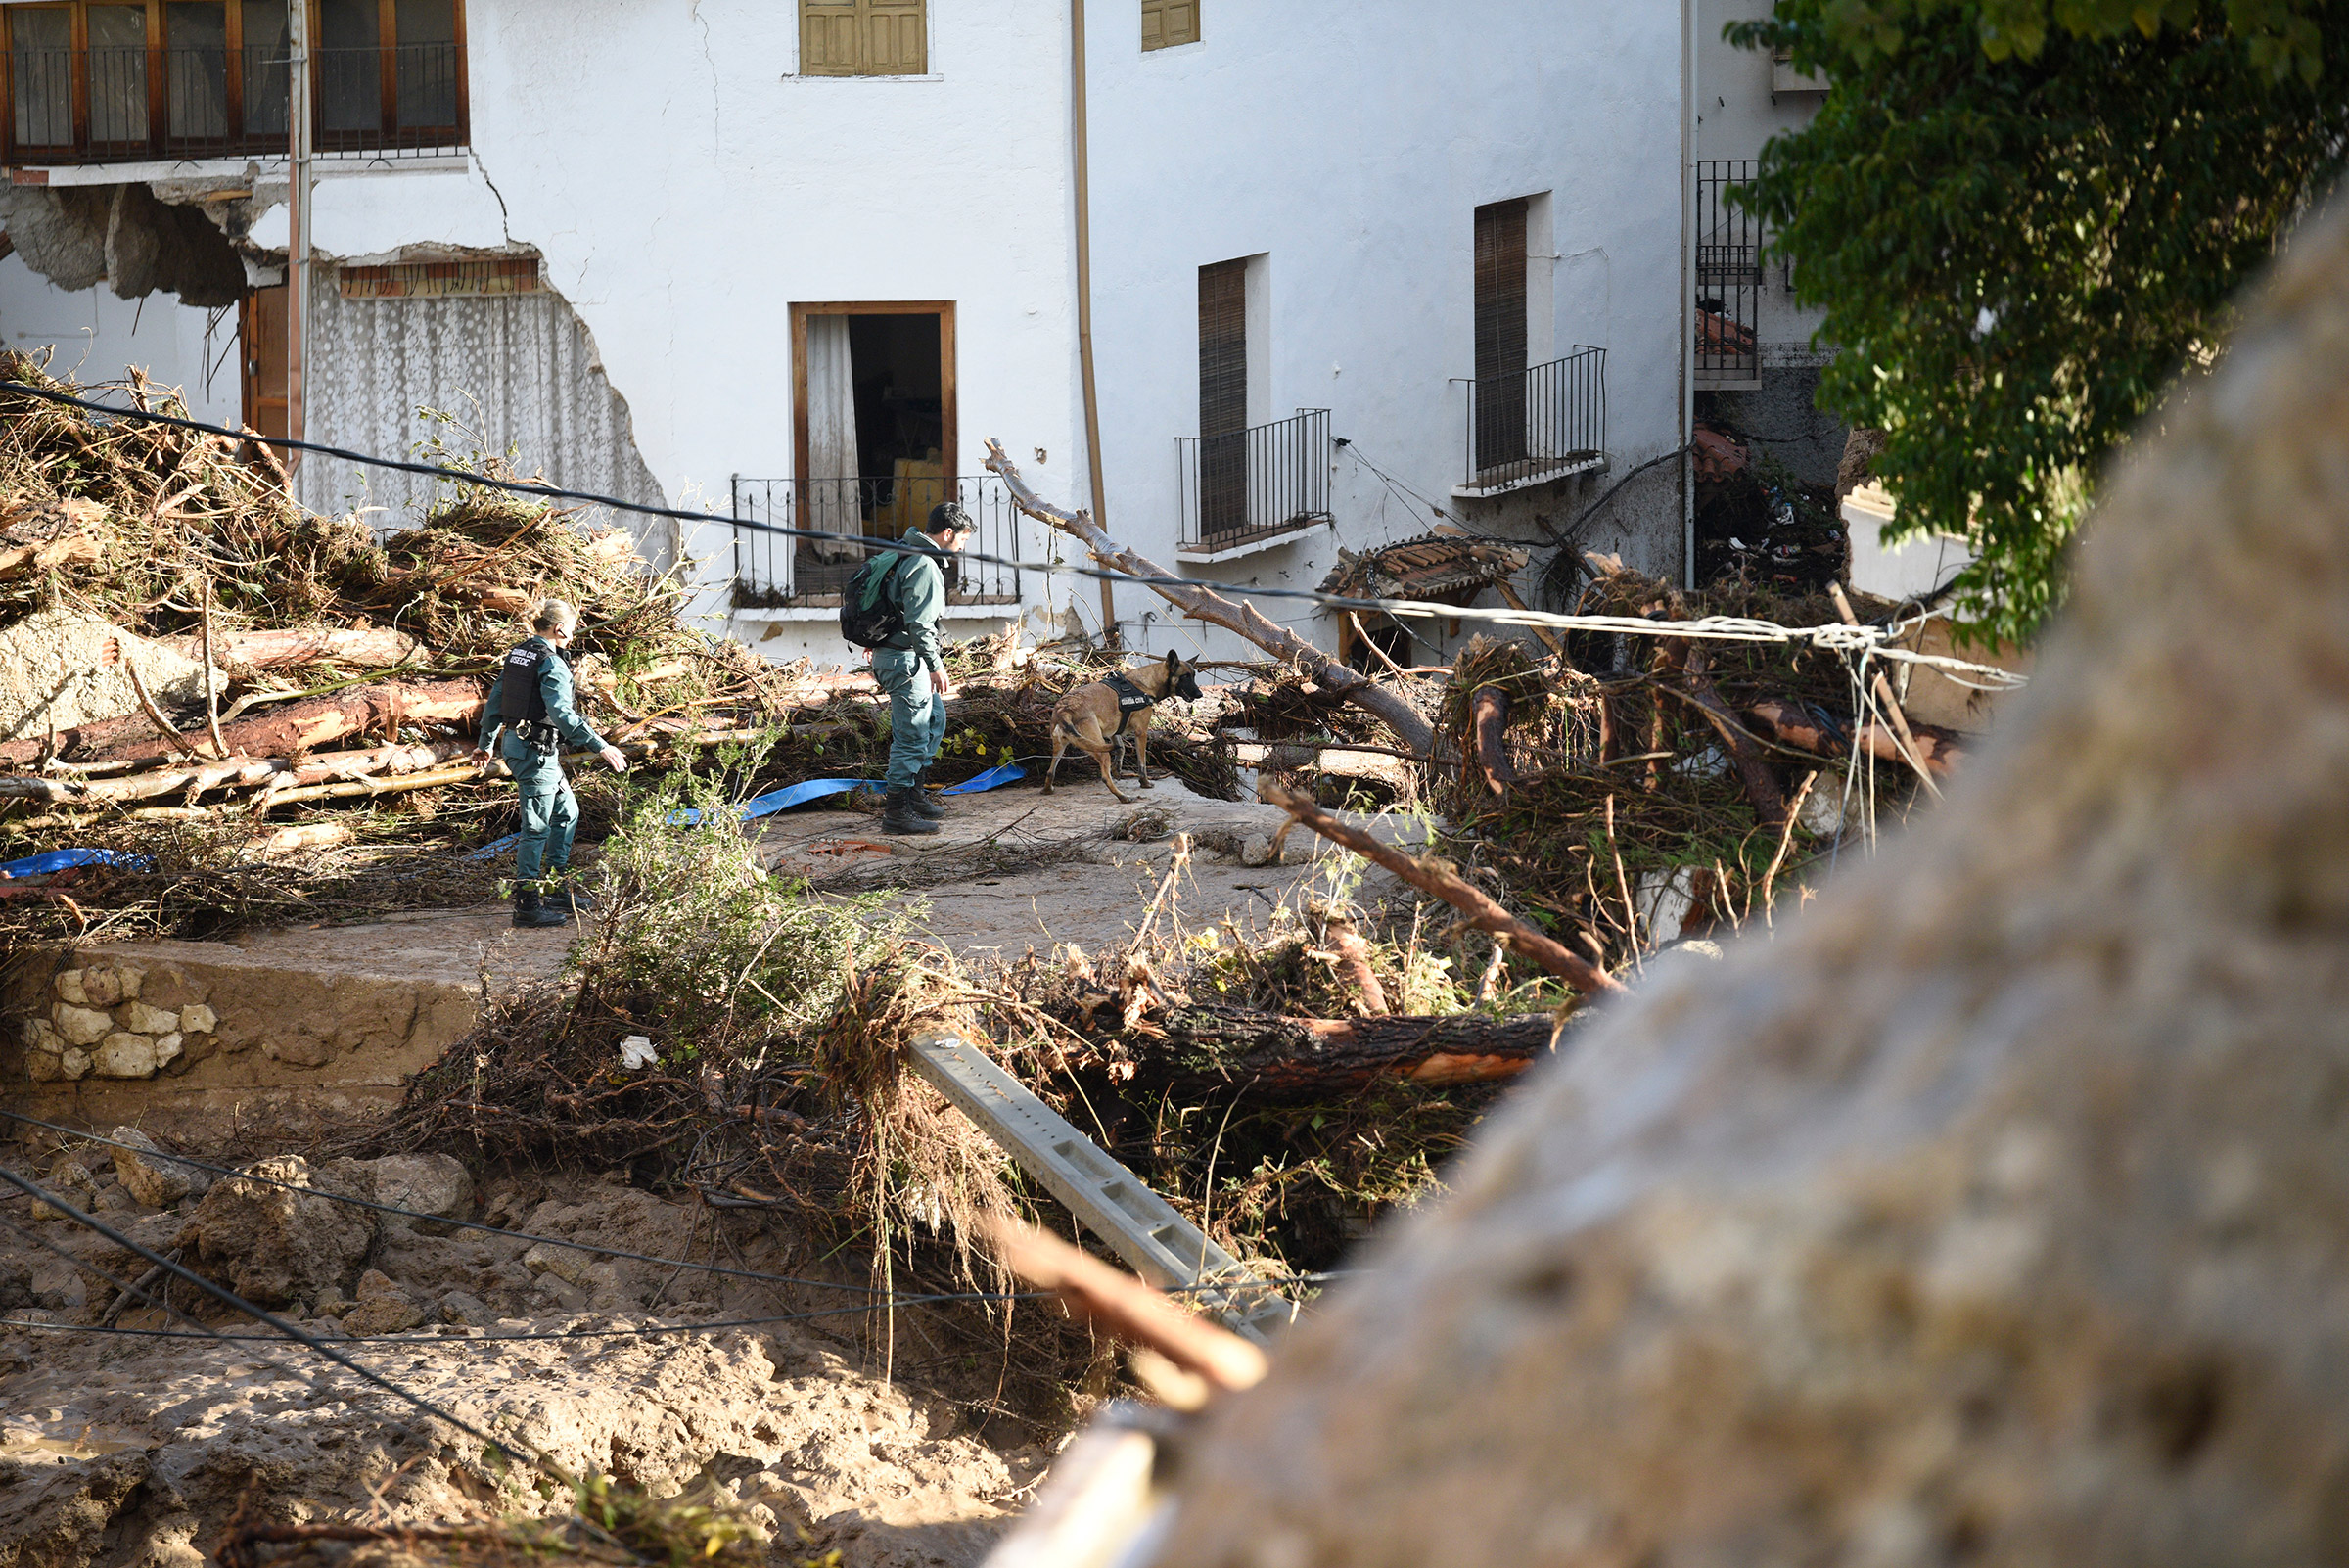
(1940, 749)
(1433, 876)
(376, 647)
(1207, 1047)
(1204, 604)
(301, 727)
(1488, 709)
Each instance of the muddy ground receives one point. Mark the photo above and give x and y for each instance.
(128, 1450)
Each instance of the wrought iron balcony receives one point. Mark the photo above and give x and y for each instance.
(777, 570)
(1541, 423)
(1728, 279)
(1253, 484)
(112, 105)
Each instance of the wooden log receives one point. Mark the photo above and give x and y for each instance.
(376, 647)
(1433, 876)
(1761, 786)
(1127, 1308)
(301, 727)
(1205, 1046)
(1940, 749)
(1354, 962)
(1489, 712)
(1203, 604)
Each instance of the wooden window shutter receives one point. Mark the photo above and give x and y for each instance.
(1224, 348)
(1500, 289)
(1168, 22)
(863, 38)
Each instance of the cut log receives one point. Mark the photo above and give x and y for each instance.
(376, 646)
(1488, 710)
(1204, 604)
(1761, 786)
(301, 726)
(1315, 1058)
(1940, 749)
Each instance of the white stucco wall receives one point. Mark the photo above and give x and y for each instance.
(1350, 143)
(98, 338)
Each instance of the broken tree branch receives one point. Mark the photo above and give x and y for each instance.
(1433, 876)
(1889, 703)
(1940, 749)
(173, 740)
(1204, 604)
(295, 727)
(1762, 785)
(1488, 710)
(1352, 955)
(1127, 1308)
(374, 647)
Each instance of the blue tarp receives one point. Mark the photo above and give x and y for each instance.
(783, 800)
(40, 865)
(992, 778)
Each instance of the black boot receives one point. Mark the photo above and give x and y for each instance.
(531, 911)
(565, 893)
(902, 813)
(929, 804)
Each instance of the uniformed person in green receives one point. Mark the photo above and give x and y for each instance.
(911, 669)
(532, 700)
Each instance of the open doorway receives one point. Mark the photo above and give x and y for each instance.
(873, 397)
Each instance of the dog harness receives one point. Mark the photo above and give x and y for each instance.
(1131, 700)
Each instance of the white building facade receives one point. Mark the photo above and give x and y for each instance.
(794, 263)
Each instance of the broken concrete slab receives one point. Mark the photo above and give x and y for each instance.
(58, 669)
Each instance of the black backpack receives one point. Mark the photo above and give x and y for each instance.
(870, 616)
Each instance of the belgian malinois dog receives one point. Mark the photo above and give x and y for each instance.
(1096, 717)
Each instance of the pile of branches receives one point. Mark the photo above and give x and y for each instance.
(1619, 767)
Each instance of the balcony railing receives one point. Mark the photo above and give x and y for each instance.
(1729, 278)
(1254, 483)
(774, 570)
(1538, 424)
(116, 105)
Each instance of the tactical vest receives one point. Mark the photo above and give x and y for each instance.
(1131, 700)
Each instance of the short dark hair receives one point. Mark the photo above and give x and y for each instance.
(949, 515)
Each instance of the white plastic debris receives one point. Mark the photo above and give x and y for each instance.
(637, 1051)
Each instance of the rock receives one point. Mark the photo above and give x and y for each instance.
(58, 1515)
(1256, 850)
(81, 1025)
(127, 980)
(101, 988)
(167, 1050)
(68, 986)
(562, 1293)
(1994, 1213)
(298, 1050)
(44, 1067)
(429, 1183)
(383, 1307)
(462, 1309)
(567, 1264)
(141, 1019)
(64, 667)
(272, 1244)
(198, 1019)
(150, 1176)
(122, 1055)
(72, 1064)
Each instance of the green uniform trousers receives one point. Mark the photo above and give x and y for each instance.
(550, 812)
(917, 714)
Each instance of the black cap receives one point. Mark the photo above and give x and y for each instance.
(949, 515)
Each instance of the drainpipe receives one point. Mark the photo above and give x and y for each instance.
(1687, 293)
(1084, 302)
(298, 202)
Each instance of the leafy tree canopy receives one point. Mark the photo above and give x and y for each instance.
(2024, 218)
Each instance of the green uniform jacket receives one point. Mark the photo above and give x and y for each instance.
(556, 691)
(922, 595)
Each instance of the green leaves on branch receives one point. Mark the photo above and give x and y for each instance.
(2020, 246)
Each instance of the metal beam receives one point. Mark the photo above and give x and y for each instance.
(1107, 1199)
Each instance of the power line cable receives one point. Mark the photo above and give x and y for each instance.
(230, 1298)
(1836, 637)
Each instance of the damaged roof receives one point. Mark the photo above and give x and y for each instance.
(1447, 566)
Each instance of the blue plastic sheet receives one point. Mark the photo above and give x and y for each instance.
(40, 865)
(993, 778)
(783, 800)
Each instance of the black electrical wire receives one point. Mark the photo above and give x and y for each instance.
(230, 1298)
(882, 1298)
(1331, 601)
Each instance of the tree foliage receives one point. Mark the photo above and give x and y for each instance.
(2023, 218)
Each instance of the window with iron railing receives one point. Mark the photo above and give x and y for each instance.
(1729, 278)
(94, 81)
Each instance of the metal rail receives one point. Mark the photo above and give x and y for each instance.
(1107, 1198)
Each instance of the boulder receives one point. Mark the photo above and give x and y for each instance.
(464, 1309)
(150, 1176)
(81, 1025)
(383, 1307)
(1996, 1212)
(437, 1185)
(273, 1244)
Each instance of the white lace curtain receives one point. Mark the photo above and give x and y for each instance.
(830, 484)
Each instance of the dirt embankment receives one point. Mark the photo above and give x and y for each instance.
(121, 1450)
